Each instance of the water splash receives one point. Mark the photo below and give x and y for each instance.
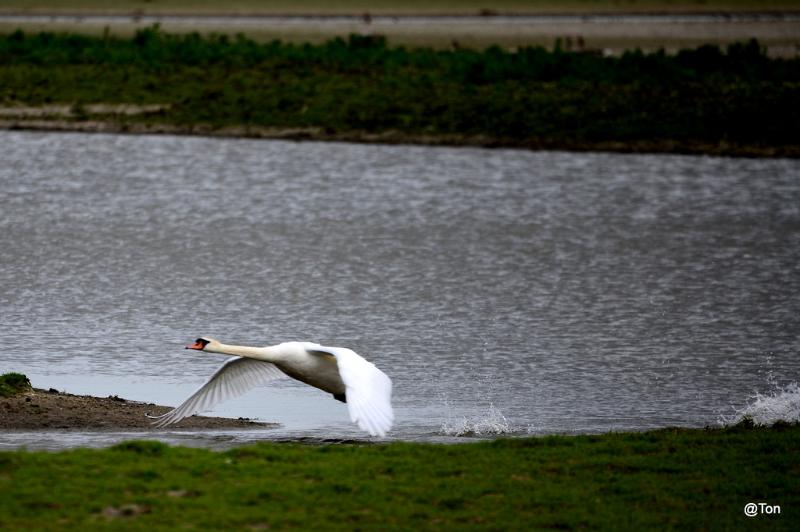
(493, 422)
(783, 404)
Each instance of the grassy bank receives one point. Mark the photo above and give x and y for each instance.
(687, 479)
(704, 100)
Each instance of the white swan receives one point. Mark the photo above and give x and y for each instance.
(337, 370)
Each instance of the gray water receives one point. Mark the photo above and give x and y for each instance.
(503, 291)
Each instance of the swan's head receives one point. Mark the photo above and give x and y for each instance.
(201, 343)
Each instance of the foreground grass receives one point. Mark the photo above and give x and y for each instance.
(688, 479)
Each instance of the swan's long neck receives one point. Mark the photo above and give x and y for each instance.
(260, 353)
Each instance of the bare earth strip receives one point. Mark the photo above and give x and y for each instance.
(779, 32)
(42, 409)
(449, 7)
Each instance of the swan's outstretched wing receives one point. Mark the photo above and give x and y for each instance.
(368, 390)
(231, 380)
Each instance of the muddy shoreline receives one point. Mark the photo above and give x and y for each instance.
(660, 146)
(39, 409)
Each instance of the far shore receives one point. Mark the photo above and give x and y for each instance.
(601, 27)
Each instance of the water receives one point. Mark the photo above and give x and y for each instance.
(503, 291)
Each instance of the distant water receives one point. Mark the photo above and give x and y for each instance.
(505, 292)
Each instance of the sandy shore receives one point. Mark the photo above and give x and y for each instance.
(51, 409)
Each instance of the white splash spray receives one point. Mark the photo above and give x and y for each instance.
(783, 404)
(493, 422)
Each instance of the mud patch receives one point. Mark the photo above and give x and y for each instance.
(51, 409)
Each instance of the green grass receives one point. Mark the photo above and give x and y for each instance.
(672, 478)
(13, 384)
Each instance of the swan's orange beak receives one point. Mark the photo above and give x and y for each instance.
(197, 345)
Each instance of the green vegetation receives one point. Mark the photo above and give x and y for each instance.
(13, 384)
(704, 99)
(672, 478)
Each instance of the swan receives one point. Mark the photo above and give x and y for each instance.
(336, 370)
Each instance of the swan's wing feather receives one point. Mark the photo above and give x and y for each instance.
(368, 390)
(234, 378)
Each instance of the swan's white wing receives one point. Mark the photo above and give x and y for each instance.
(234, 378)
(368, 390)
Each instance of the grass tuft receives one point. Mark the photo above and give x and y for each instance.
(13, 384)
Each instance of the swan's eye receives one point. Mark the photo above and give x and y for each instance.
(202, 341)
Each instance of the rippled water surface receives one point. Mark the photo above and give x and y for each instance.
(503, 291)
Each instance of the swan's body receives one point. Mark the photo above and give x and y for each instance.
(336, 370)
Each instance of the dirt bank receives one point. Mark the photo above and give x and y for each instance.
(51, 409)
(686, 147)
